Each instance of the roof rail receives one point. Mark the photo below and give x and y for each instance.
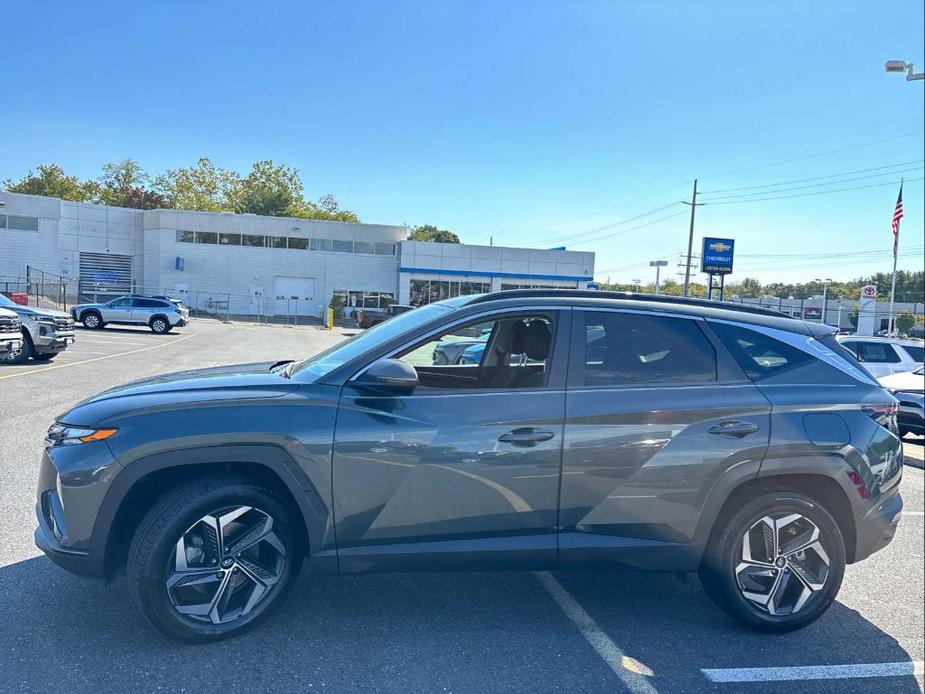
(627, 296)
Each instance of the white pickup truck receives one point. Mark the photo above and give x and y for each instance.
(10, 332)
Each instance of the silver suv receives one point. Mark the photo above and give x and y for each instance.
(160, 313)
(45, 332)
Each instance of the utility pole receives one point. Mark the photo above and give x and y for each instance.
(690, 241)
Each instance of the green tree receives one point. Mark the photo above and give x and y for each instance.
(269, 189)
(125, 184)
(204, 187)
(904, 322)
(428, 232)
(50, 180)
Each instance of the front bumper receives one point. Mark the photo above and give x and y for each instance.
(72, 485)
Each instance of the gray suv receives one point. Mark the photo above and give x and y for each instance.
(46, 332)
(160, 313)
(596, 430)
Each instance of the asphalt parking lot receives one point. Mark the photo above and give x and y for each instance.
(480, 632)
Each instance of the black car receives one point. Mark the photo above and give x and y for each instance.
(598, 430)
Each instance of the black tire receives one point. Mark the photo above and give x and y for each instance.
(718, 570)
(92, 320)
(159, 325)
(47, 356)
(170, 518)
(22, 356)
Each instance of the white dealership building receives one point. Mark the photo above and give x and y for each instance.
(257, 265)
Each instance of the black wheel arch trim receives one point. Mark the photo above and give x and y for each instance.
(315, 513)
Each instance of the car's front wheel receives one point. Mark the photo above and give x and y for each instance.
(92, 320)
(777, 563)
(211, 559)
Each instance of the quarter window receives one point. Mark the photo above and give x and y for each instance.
(623, 349)
(758, 354)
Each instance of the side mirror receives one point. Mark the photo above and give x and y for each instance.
(391, 375)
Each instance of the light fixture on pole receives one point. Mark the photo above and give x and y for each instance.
(636, 284)
(903, 66)
(658, 265)
(825, 288)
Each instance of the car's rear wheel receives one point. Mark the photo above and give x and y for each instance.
(213, 558)
(92, 320)
(777, 563)
(159, 325)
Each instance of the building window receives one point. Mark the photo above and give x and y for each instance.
(186, 236)
(300, 244)
(14, 221)
(343, 246)
(427, 291)
(506, 287)
(357, 299)
(385, 249)
(277, 241)
(322, 245)
(253, 240)
(363, 247)
(229, 239)
(206, 237)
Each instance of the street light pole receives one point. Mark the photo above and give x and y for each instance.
(903, 66)
(825, 303)
(658, 265)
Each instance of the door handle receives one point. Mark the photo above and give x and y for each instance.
(734, 429)
(526, 436)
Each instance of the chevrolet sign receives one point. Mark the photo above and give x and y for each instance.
(716, 258)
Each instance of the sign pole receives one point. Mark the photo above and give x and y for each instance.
(893, 284)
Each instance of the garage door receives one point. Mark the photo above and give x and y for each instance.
(104, 276)
(295, 296)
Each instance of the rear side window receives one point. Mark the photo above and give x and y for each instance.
(623, 349)
(917, 353)
(877, 353)
(758, 354)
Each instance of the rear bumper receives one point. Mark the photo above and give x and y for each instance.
(876, 530)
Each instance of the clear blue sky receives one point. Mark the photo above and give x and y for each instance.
(526, 121)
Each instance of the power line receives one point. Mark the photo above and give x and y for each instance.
(812, 185)
(821, 192)
(607, 226)
(816, 178)
(626, 231)
(813, 156)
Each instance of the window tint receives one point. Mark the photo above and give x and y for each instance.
(626, 349)
(121, 303)
(758, 354)
(917, 353)
(494, 354)
(842, 351)
(877, 353)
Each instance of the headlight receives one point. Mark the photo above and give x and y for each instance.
(63, 435)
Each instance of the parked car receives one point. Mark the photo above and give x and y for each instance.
(909, 389)
(701, 437)
(45, 332)
(368, 317)
(451, 349)
(883, 356)
(160, 313)
(10, 333)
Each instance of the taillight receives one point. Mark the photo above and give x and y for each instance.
(884, 415)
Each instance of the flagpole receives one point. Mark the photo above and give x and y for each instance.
(895, 256)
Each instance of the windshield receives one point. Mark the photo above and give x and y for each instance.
(6, 301)
(325, 362)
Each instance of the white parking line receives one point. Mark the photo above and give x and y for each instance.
(631, 672)
(814, 672)
(87, 361)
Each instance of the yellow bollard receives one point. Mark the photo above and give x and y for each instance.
(329, 319)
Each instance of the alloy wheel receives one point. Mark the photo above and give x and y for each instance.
(782, 563)
(92, 321)
(159, 326)
(225, 564)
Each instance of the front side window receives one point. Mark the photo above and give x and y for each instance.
(489, 354)
(121, 303)
(625, 349)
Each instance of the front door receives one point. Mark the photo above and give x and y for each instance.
(464, 471)
(654, 420)
(119, 311)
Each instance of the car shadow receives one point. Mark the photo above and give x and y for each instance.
(122, 329)
(473, 632)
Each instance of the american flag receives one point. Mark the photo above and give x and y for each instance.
(897, 215)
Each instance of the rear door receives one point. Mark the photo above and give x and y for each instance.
(657, 414)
